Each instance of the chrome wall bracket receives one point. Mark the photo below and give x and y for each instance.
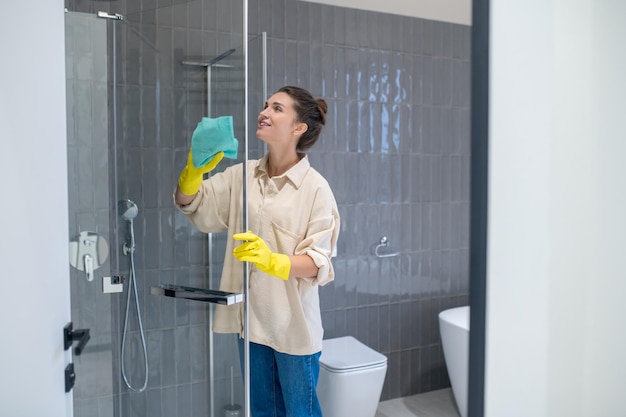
(114, 16)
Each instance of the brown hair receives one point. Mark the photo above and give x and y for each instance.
(311, 111)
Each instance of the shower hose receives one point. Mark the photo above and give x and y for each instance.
(132, 285)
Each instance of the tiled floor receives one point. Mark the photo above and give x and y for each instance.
(438, 403)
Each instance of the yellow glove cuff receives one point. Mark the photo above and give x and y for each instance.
(280, 265)
(190, 178)
(189, 183)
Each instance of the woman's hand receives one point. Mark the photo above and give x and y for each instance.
(255, 250)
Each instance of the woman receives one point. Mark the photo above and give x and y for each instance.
(293, 230)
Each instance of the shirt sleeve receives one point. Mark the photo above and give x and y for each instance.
(321, 237)
(211, 210)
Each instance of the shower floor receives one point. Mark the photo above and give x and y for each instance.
(439, 403)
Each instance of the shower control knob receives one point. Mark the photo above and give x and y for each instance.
(117, 279)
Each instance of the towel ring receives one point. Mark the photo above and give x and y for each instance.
(383, 243)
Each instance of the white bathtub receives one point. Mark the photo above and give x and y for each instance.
(454, 331)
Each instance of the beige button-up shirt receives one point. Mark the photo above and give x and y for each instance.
(295, 214)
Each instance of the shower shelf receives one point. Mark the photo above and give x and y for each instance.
(197, 294)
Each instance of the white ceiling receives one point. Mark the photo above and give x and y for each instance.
(454, 11)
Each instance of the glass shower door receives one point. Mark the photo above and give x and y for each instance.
(132, 105)
(211, 86)
(89, 169)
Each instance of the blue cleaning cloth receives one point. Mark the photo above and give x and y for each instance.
(212, 136)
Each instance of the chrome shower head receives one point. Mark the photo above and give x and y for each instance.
(128, 210)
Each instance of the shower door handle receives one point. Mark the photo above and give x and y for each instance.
(70, 377)
(70, 336)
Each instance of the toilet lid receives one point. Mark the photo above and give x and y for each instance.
(345, 353)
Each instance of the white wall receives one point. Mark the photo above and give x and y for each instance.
(454, 11)
(556, 270)
(33, 213)
(556, 285)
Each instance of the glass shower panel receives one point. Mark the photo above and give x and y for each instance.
(132, 106)
(215, 86)
(160, 100)
(141, 376)
(89, 173)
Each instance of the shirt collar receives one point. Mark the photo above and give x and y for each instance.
(295, 174)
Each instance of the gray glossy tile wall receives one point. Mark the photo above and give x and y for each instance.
(396, 153)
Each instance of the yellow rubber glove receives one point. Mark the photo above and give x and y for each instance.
(191, 177)
(255, 250)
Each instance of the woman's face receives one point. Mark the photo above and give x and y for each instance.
(277, 123)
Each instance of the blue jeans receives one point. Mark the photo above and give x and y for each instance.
(282, 385)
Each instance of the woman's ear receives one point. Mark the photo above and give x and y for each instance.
(301, 128)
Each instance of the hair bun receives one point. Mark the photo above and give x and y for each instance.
(322, 106)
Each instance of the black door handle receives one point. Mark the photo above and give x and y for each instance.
(70, 336)
(70, 377)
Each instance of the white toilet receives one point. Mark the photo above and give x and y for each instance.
(351, 378)
(454, 327)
